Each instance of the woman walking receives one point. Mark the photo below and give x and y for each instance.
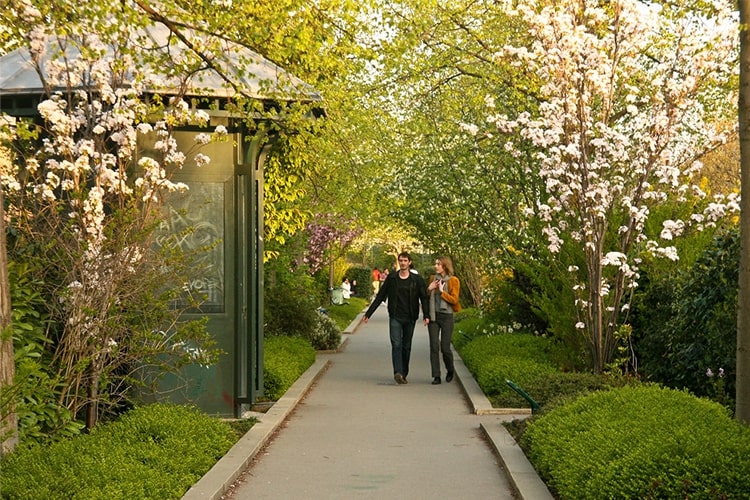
(443, 293)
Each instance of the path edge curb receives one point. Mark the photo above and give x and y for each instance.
(521, 474)
(519, 470)
(228, 468)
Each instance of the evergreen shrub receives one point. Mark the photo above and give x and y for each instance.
(518, 357)
(297, 315)
(467, 312)
(35, 390)
(552, 389)
(290, 311)
(363, 277)
(467, 328)
(153, 452)
(286, 358)
(686, 324)
(508, 300)
(640, 441)
(327, 335)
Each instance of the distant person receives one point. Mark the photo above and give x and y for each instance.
(383, 276)
(354, 288)
(375, 281)
(405, 292)
(443, 291)
(347, 289)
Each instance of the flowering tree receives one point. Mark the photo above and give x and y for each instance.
(328, 236)
(312, 40)
(85, 201)
(631, 93)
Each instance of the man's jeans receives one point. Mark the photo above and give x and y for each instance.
(401, 332)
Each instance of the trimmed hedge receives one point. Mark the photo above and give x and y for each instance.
(154, 452)
(640, 442)
(522, 358)
(285, 359)
(467, 329)
(552, 389)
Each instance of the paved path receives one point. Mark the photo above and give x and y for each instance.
(356, 434)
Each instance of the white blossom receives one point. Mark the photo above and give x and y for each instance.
(202, 160)
(470, 128)
(594, 166)
(202, 138)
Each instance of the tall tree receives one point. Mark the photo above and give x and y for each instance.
(566, 119)
(631, 99)
(317, 41)
(742, 411)
(8, 418)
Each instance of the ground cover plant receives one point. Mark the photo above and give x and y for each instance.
(153, 452)
(520, 357)
(286, 358)
(529, 361)
(640, 442)
(608, 436)
(134, 456)
(495, 353)
(344, 314)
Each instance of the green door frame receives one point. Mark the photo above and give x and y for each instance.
(249, 254)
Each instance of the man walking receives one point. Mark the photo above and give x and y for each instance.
(404, 291)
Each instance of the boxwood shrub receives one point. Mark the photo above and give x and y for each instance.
(641, 442)
(468, 327)
(286, 358)
(522, 358)
(154, 452)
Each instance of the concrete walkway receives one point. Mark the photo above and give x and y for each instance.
(346, 430)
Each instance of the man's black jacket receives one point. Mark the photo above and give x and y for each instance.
(417, 294)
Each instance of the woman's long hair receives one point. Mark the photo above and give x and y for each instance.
(447, 264)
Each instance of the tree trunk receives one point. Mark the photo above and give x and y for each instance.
(743, 306)
(8, 417)
(92, 407)
(331, 268)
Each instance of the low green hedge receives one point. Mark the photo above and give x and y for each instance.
(521, 358)
(642, 442)
(154, 452)
(285, 359)
(551, 389)
(468, 327)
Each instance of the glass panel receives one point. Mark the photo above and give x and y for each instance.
(196, 217)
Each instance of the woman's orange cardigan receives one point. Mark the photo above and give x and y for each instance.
(451, 292)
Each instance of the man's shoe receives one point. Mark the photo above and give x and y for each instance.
(436, 381)
(449, 376)
(399, 378)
